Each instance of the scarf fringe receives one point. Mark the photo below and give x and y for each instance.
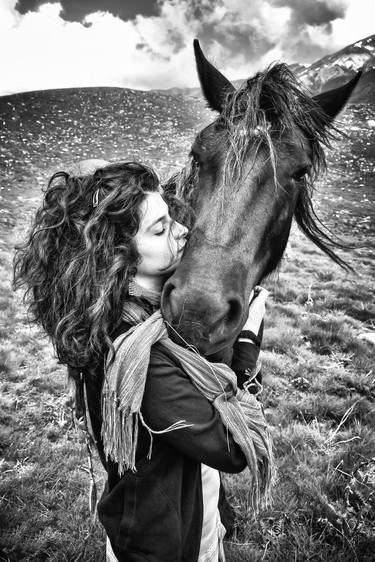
(119, 433)
(240, 412)
(255, 442)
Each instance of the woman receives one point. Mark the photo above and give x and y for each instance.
(164, 419)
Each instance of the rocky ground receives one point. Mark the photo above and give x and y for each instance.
(319, 374)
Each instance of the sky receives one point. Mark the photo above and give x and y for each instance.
(147, 44)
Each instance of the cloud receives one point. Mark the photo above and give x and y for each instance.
(308, 33)
(53, 45)
(358, 22)
(71, 10)
(45, 51)
(24, 6)
(314, 12)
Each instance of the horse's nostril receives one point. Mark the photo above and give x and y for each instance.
(198, 316)
(167, 301)
(234, 313)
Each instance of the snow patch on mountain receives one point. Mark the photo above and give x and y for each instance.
(334, 70)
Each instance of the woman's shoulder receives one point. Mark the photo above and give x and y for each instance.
(163, 360)
(120, 329)
(158, 353)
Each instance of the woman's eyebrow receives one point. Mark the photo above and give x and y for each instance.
(163, 217)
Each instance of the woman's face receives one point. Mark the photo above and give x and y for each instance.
(160, 242)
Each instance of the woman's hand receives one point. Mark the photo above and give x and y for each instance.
(257, 308)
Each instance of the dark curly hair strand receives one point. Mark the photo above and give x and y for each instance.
(78, 259)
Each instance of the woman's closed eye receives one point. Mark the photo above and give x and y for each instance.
(161, 231)
(162, 227)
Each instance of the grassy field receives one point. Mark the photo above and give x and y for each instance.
(319, 392)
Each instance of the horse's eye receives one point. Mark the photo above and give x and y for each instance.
(300, 173)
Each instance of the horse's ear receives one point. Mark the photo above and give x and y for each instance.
(333, 101)
(214, 85)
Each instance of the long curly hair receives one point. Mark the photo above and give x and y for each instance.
(76, 265)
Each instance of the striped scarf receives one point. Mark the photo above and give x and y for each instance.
(124, 384)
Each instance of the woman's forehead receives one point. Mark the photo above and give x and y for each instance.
(152, 207)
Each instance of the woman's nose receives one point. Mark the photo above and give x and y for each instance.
(179, 231)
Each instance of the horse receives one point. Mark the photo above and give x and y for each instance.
(249, 172)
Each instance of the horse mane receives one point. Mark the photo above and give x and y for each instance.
(258, 114)
(263, 109)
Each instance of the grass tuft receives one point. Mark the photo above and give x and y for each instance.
(318, 375)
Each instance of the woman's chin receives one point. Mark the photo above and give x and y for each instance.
(169, 269)
(172, 268)
(175, 263)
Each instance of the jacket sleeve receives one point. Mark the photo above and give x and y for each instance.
(169, 397)
(246, 350)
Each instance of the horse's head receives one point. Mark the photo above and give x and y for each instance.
(251, 170)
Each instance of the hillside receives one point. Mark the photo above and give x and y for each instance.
(334, 70)
(318, 371)
(43, 131)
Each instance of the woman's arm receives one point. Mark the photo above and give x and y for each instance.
(245, 355)
(247, 346)
(169, 397)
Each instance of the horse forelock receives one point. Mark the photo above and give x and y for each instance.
(262, 110)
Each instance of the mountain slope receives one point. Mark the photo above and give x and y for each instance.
(334, 70)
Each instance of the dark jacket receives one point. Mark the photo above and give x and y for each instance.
(155, 514)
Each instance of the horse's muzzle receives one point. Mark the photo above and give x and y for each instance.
(200, 316)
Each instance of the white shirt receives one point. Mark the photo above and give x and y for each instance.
(213, 531)
(212, 528)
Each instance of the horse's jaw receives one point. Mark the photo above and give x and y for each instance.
(193, 334)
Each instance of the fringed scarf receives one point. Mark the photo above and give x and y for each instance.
(124, 384)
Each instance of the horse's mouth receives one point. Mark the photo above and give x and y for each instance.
(192, 335)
